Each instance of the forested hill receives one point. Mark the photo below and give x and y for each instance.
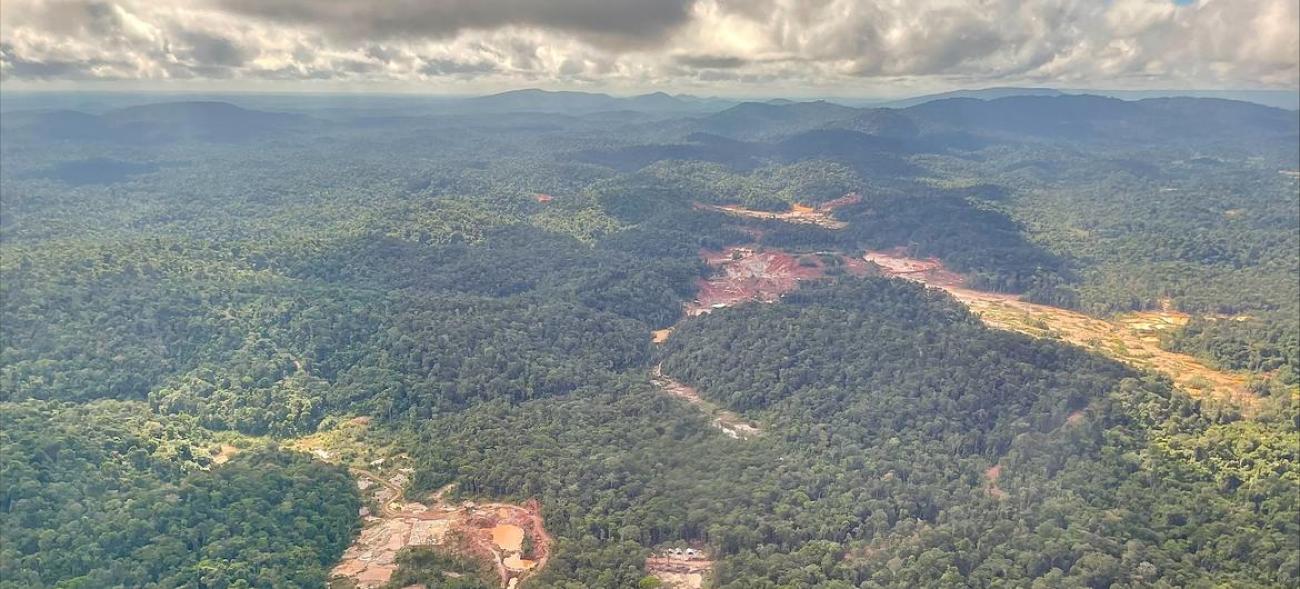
(903, 399)
(962, 122)
(180, 283)
(107, 495)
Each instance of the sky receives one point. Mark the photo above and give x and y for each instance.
(712, 47)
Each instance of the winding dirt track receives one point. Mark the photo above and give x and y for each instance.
(730, 423)
(399, 496)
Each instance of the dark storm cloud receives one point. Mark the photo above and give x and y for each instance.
(603, 22)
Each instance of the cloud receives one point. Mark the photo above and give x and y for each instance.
(211, 49)
(617, 23)
(445, 67)
(709, 61)
(18, 66)
(767, 45)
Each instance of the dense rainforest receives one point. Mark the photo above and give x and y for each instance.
(483, 288)
(108, 495)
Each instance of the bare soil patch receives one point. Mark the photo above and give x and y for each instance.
(494, 532)
(991, 482)
(1130, 338)
(225, 454)
(820, 215)
(747, 273)
(491, 532)
(680, 568)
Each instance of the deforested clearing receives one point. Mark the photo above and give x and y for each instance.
(750, 273)
(820, 215)
(490, 532)
(1127, 338)
(680, 568)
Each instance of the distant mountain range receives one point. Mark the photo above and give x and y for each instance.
(980, 94)
(1048, 117)
(534, 100)
(878, 140)
(961, 122)
(154, 123)
(1284, 99)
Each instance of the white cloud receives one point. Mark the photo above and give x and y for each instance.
(678, 44)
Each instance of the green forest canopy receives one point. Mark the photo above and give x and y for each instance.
(265, 286)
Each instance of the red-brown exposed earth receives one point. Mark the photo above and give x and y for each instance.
(753, 274)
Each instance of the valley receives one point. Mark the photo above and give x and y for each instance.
(731, 424)
(1132, 338)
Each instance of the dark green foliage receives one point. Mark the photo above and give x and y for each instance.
(383, 325)
(1219, 239)
(268, 278)
(883, 318)
(1248, 344)
(970, 239)
(938, 398)
(96, 171)
(107, 495)
(881, 407)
